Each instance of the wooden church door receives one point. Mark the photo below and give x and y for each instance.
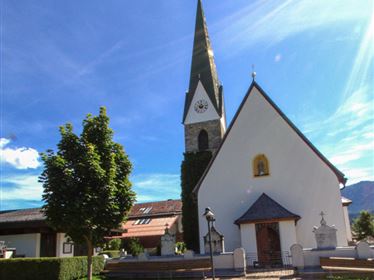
(268, 244)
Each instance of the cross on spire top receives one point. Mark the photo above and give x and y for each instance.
(253, 72)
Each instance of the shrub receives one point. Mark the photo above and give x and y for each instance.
(114, 244)
(48, 268)
(181, 247)
(363, 226)
(132, 246)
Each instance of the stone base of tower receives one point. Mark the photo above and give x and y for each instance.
(213, 128)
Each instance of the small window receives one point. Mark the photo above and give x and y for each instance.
(260, 166)
(142, 222)
(203, 140)
(147, 210)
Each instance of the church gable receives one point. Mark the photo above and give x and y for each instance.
(201, 108)
(255, 89)
(289, 169)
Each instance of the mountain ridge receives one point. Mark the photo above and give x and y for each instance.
(362, 196)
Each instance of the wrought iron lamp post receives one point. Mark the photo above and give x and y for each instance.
(209, 215)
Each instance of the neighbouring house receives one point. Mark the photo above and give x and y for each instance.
(148, 221)
(26, 230)
(266, 183)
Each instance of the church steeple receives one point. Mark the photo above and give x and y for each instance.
(203, 67)
(204, 117)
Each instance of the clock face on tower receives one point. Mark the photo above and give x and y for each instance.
(201, 106)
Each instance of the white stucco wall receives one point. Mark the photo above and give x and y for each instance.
(299, 180)
(248, 238)
(224, 261)
(60, 240)
(25, 244)
(209, 114)
(347, 223)
(287, 234)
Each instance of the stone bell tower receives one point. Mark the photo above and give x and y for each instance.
(204, 113)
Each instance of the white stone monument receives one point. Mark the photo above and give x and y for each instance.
(325, 235)
(218, 243)
(167, 243)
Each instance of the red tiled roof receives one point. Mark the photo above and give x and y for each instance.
(22, 215)
(158, 208)
(155, 227)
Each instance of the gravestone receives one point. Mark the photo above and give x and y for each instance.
(363, 250)
(218, 244)
(297, 255)
(167, 243)
(325, 235)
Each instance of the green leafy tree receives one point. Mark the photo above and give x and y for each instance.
(114, 244)
(363, 226)
(87, 191)
(193, 167)
(132, 246)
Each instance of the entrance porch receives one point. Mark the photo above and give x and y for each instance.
(267, 231)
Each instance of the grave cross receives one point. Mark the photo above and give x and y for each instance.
(323, 222)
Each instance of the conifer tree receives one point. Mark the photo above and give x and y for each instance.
(193, 167)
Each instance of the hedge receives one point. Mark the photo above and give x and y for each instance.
(48, 268)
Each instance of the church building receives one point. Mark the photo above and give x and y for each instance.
(266, 183)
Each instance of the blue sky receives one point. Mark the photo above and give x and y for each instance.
(63, 59)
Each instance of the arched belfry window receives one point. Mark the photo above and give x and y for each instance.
(260, 166)
(203, 140)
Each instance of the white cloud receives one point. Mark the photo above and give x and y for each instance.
(24, 187)
(20, 158)
(272, 21)
(159, 186)
(356, 175)
(278, 57)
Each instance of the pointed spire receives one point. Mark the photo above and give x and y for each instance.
(203, 67)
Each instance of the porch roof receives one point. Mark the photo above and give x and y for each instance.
(265, 209)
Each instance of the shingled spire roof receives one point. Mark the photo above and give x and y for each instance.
(203, 67)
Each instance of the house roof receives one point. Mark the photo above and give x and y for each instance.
(203, 67)
(158, 208)
(340, 176)
(265, 209)
(21, 215)
(155, 227)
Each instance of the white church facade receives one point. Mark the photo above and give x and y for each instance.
(266, 183)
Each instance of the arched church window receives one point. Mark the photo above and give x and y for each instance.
(260, 166)
(203, 140)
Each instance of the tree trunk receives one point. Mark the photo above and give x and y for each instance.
(89, 259)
